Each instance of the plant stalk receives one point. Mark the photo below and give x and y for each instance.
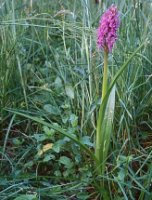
(98, 150)
(105, 74)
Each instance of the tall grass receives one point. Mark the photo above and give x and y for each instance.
(51, 69)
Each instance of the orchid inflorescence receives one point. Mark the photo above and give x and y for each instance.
(107, 30)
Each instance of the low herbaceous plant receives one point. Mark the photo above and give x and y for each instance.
(106, 37)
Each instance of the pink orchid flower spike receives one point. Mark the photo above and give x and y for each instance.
(107, 30)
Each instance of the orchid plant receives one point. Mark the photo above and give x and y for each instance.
(106, 38)
(107, 35)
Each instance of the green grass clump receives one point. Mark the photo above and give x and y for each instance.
(51, 73)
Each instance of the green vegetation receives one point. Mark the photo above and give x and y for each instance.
(50, 94)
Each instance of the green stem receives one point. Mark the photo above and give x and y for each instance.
(99, 138)
(105, 74)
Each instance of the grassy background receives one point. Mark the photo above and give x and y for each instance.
(51, 68)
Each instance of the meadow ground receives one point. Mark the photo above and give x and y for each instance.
(50, 92)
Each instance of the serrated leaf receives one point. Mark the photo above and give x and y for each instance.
(66, 162)
(49, 132)
(86, 140)
(69, 91)
(56, 147)
(74, 120)
(48, 158)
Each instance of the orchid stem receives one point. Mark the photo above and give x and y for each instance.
(99, 136)
(105, 75)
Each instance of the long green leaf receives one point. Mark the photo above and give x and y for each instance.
(118, 74)
(104, 131)
(107, 126)
(103, 125)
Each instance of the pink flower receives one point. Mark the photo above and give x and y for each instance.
(107, 30)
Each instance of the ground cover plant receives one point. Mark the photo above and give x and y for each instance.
(51, 73)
